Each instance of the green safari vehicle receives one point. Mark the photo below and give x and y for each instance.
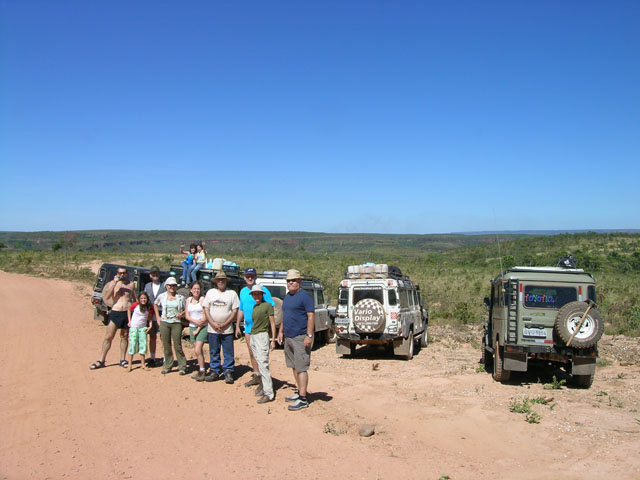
(543, 314)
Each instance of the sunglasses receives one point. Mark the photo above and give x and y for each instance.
(293, 281)
(249, 276)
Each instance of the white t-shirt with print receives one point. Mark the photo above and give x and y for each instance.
(220, 305)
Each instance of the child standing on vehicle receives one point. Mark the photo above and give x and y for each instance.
(187, 262)
(139, 314)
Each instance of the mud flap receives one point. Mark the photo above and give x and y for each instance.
(400, 346)
(583, 366)
(343, 347)
(515, 361)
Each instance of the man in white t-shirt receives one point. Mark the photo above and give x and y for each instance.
(220, 307)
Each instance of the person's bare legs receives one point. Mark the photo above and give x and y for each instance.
(130, 362)
(302, 380)
(144, 367)
(124, 343)
(200, 355)
(152, 345)
(108, 338)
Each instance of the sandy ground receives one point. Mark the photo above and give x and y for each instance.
(438, 414)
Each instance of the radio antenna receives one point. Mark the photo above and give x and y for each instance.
(495, 222)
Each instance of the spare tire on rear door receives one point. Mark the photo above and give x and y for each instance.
(568, 320)
(368, 315)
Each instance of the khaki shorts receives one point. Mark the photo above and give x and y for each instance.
(296, 355)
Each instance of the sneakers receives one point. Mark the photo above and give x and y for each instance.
(299, 404)
(255, 380)
(199, 377)
(292, 398)
(195, 375)
(212, 377)
(265, 399)
(228, 377)
(259, 391)
(182, 372)
(165, 371)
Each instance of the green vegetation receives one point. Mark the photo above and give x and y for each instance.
(453, 271)
(524, 407)
(555, 384)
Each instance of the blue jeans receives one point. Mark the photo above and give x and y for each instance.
(224, 340)
(193, 270)
(185, 271)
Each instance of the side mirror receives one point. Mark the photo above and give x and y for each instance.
(487, 302)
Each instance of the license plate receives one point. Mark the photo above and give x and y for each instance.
(534, 332)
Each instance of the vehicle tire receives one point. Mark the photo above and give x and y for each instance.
(568, 319)
(499, 373)
(411, 342)
(330, 334)
(424, 338)
(99, 315)
(352, 349)
(487, 357)
(583, 381)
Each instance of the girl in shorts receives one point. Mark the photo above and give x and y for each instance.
(187, 263)
(197, 327)
(139, 314)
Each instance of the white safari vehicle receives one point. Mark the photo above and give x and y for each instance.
(276, 282)
(377, 304)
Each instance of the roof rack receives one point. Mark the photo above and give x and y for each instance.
(282, 274)
(372, 270)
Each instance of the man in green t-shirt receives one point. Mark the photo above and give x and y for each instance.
(263, 321)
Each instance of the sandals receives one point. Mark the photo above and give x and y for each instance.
(98, 364)
(124, 363)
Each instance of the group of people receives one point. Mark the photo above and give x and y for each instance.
(160, 309)
(196, 258)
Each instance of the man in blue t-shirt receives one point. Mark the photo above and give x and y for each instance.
(297, 329)
(244, 312)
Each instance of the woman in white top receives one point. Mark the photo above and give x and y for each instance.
(197, 327)
(173, 312)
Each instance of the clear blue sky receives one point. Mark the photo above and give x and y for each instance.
(331, 116)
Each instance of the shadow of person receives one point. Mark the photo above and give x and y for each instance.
(319, 396)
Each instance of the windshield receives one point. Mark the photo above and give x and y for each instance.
(277, 291)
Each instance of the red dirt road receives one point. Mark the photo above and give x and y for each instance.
(435, 415)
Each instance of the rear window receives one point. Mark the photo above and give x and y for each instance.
(548, 297)
(360, 293)
(343, 299)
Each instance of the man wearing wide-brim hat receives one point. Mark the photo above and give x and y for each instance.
(220, 307)
(296, 330)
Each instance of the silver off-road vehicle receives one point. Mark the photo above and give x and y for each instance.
(546, 315)
(378, 305)
(324, 315)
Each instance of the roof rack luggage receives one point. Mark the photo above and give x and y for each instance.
(372, 270)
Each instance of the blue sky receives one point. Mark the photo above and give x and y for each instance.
(332, 116)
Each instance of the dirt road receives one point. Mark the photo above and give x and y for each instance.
(435, 415)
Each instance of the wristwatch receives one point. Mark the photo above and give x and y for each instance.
(310, 335)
